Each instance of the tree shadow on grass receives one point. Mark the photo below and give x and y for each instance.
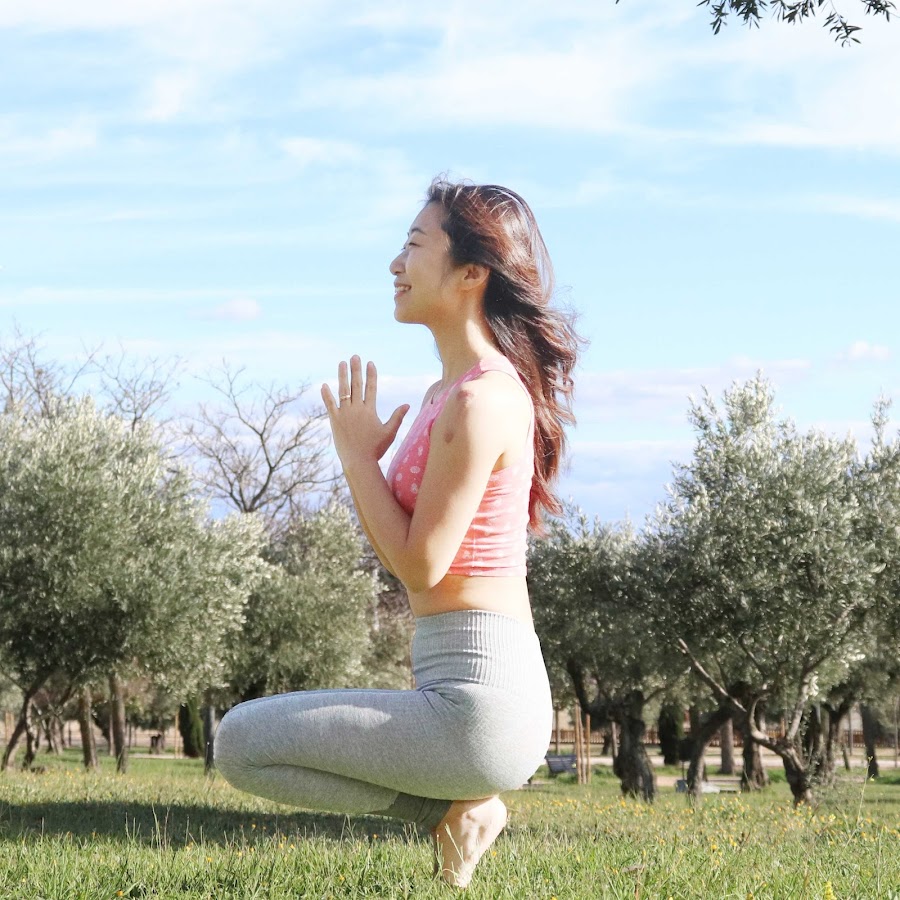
(176, 825)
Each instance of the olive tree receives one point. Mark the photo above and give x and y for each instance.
(109, 564)
(793, 12)
(590, 613)
(770, 575)
(307, 625)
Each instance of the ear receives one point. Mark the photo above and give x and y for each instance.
(475, 276)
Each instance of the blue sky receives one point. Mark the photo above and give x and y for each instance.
(213, 179)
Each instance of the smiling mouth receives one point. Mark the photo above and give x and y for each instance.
(400, 289)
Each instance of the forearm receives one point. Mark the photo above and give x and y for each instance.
(385, 521)
(368, 532)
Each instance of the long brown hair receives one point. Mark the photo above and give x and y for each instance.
(494, 227)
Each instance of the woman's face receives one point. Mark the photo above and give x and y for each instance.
(421, 268)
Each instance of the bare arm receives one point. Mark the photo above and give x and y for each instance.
(467, 439)
(368, 532)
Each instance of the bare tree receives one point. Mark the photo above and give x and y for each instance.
(260, 450)
(137, 390)
(29, 383)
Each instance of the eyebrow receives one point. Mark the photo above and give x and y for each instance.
(415, 228)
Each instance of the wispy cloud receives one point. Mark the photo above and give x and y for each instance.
(18, 141)
(865, 352)
(662, 395)
(879, 208)
(240, 309)
(308, 151)
(169, 95)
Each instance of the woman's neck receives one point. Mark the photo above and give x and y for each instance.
(460, 348)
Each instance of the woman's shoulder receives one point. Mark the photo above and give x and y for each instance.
(490, 399)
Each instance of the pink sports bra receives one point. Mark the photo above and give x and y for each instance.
(495, 543)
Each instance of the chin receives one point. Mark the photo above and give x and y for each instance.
(404, 316)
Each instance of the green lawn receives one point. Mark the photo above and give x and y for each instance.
(166, 831)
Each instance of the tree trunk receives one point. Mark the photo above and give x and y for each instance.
(190, 727)
(845, 750)
(53, 734)
(88, 743)
(726, 739)
(23, 726)
(12, 744)
(32, 736)
(797, 774)
(671, 731)
(826, 772)
(702, 733)
(117, 711)
(814, 742)
(632, 765)
(870, 734)
(754, 776)
(209, 734)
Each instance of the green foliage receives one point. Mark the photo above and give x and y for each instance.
(767, 570)
(107, 561)
(306, 626)
(794, 12)
(590, 608)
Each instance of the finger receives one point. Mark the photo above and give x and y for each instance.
(356, 388)
(328, 400)
(371, 384)
(343, 381)
(396, 419)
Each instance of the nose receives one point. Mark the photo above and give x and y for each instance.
(396, 266)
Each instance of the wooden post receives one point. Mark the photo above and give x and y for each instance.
(897, 731)
(579, 745)
(587, 748)
(558, 723)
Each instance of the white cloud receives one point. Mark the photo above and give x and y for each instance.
(240, 309)
(881, 208)
(308, 151)
(662, 395)
(864, 352)
(579, 87)
(49, 143)
(794, 87)
(622, 479)
(169, 95)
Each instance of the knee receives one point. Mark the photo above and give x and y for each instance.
(229, 747)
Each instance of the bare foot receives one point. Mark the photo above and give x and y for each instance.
(463, 835)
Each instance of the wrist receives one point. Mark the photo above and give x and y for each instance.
(358, 465)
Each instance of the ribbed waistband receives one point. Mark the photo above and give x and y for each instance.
(478, 647)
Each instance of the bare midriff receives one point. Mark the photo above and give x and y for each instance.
(507, 595)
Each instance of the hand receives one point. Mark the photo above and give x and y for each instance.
(358, 432)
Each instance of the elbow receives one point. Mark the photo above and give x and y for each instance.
(420, 582)
(421, 575)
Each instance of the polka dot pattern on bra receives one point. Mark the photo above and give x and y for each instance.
(495, 543)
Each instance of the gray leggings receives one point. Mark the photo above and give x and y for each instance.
(478, 723)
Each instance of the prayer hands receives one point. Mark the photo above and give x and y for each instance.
(358, 432)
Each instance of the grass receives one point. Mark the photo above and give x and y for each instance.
(166, 831)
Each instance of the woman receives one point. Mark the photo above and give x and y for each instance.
(450, 521)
